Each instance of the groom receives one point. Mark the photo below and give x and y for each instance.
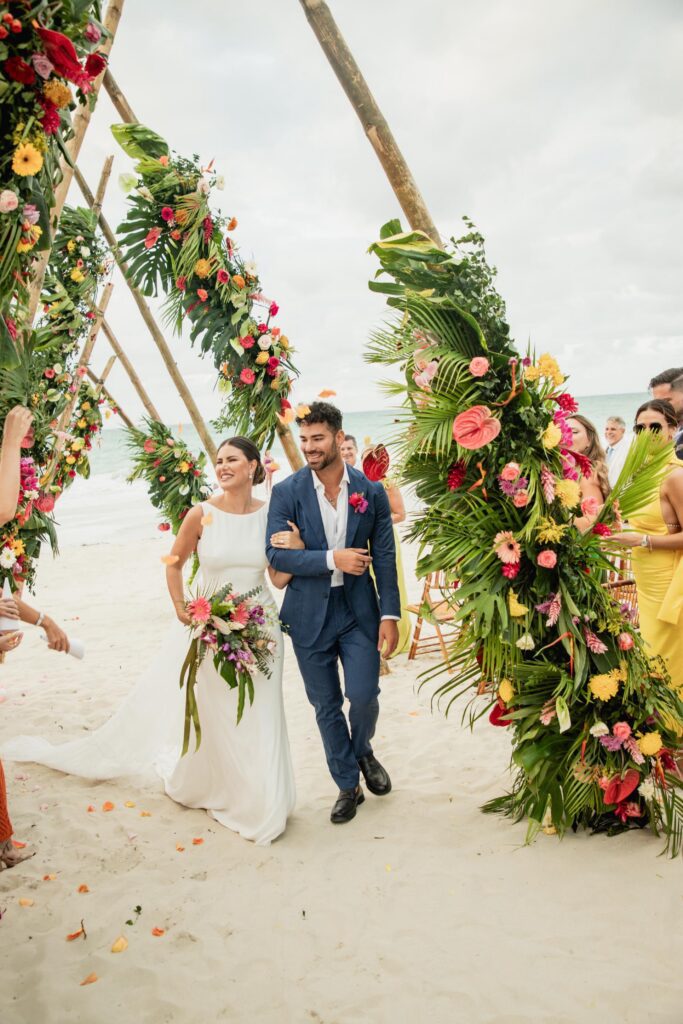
(332, 609)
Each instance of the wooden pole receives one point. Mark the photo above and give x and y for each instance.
(374, 124)
(80, 125)
(102, 186)
(108, 367)
(153, 328)
(112, 401)
(130, 370)
(127, 114)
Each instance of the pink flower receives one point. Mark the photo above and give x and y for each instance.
(272, 365)
(456, 475)
(222, 276)
(8, 200)
(247, 376)
(202, 294)
(45, 502)
(548, 484)
(43, 66)
(181, 283)
(273, 309)
(426, 376)
(358, 502)
(247, 341)
(81, 371)
(475, 427)
(622, 730)
(510, 471)
(167, 213)
(31, 213)
(506, 547)
(262, 329)
(593, 642)
(199, 610)
(49, 373)
(149, 446)
(163, 526)
(240, 614)
(152, 237)
(521, 499)
(479, 366)
(511, 570)
(567, 403)
(590, 507)
(601, 530)
(625, 641)
(547, 559)
(92, 33)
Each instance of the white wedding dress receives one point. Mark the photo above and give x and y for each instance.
(241, 774)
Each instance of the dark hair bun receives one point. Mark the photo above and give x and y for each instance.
(259, 474)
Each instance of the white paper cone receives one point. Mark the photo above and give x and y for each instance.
(76, 647)
(8, 625)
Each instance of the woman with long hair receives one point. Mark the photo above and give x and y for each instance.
(587, 442)
(656, 540)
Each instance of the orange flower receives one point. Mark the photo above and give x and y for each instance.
(163, 160)
(181, 216)
(232, 223)
(238, 280)
(202, 268)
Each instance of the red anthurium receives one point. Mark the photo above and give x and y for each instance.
(499, 713)
(376, 463)
(619, 788)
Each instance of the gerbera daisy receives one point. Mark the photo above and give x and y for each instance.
(506, 547)
(27, 160)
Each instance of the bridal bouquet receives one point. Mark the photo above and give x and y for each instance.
(229, 627)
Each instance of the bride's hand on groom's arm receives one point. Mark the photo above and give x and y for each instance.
(288, 540)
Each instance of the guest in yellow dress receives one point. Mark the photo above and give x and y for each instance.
(375, 465)
(658, 552)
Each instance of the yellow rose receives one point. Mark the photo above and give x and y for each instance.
(85, 406)
(551, 436)
(202, 268)
(569, 492)
(506, 690)
(262, 358)
(517, 610)
(70, 459)
(604, 686)
(650, 743)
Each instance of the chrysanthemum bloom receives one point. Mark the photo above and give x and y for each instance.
(202, 268)
(57, 93)
(650, 743)
(26, 160)
(603, 686)
(569, 493)
(506, 547)
(551, 436)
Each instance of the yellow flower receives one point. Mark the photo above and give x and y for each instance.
(650, 743)
(57, 93)
(70, 459)
(569, 492)
(262, 358)
(604, 686)
(551, 436)
(548, 367)
(183, 467)
(77, 275)
(26, 160)
(506, 690)
(78, 443)
(202, 268)
(70, 245)
(275, 384)
(531, 374)
(85, 406)
(517, 609)
(550, 532)
(25, 246)
(284, 342)
(18, 547)
(82, 423)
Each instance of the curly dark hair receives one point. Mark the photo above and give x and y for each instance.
(322, 412)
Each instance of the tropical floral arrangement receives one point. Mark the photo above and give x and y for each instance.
(45, 49)
(232, 629)
(175, 476)
(175, 244)
(542, 646)
(20, 539)
(82, 431)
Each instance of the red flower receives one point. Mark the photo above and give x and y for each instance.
(247, 376)
(176, 235)
(627, 809)
(167, 213)
(567, 403)
(584, 463)
(262, 328)
(51, 120)
(49, 373)
(181, 283)
(149, 446)
(60, 50)
(152, 237)
(273, 309)
(207, 224)
(510, 570)
(247, 341)
(499, 713)
(45, 502)
(667, 761)
(222, 276)
(19, 71)
(272, 365)
(11, 328)
(202, 294)
(456, 475)
(95, 63)
(3, 32)
(619, 788)
(90, 315)
(157, 462)
(163, 527)
(284, 404)
(601, 530)
(72, 473)
(358, 502)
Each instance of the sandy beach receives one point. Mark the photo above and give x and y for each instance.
(422, 909)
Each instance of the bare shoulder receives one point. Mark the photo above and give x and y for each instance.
(674, 481)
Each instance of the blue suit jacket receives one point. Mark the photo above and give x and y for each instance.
(306, 599)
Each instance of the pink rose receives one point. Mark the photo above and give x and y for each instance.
(590, 507)
(222, 276)
(479, 366)
(622, 730)
(547, 559)
(92, 33)
(247, 376)
(625, 641)
(8, 200)
(510, 471)
(43, 66)
(521, 499)
(149, 446)
(475, 427)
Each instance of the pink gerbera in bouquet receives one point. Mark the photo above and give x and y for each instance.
(233, 629)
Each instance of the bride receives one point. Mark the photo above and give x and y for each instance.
(241, 774)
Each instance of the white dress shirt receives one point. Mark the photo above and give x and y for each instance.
(335, 520)
(616, 457)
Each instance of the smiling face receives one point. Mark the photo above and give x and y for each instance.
(233, 469)
(613, 432)
(349, 452)
(650, 419)
(321, 447)
(580, 440)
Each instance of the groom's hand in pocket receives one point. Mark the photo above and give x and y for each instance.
(387, 641)
(354, 561)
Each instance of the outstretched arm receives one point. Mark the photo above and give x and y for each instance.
(296, 563)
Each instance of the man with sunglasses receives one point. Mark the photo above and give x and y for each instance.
(669, 386)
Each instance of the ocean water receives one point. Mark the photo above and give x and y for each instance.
(106, 508)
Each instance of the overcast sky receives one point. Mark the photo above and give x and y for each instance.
(555, 126)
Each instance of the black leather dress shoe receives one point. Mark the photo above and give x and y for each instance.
(345, 807)
(376, 778)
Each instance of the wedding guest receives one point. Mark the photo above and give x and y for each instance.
(586, 442)
(375, 465)
(349, 450)
(657, 543)
(668, 386)
(616, 450)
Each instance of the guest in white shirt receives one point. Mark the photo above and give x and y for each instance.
(617, 445)
(349, 451)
